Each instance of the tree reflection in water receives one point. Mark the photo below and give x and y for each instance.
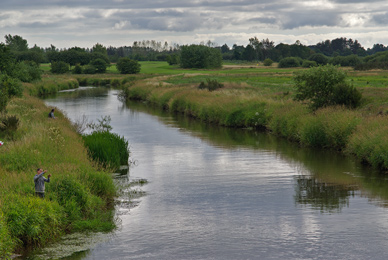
(326, 197)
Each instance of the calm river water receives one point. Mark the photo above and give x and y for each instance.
(217, 193)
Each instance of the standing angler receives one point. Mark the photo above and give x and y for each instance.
(39, 182)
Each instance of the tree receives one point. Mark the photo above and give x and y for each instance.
(200, 57)
(249, 53)
(16, 43)
(325, 86)
(100, 49)
(6, 58)
(128, 66)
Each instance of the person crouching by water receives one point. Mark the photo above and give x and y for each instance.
(51, 114)
(39, 180)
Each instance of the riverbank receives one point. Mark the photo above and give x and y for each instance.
(79, 196)
(268, 104)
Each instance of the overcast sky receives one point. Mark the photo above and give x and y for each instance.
(83, 23)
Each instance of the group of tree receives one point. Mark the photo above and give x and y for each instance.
(340, 51)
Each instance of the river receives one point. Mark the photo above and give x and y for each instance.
(219, 193)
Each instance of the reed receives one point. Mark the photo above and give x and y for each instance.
(109, 149)
(370, 142)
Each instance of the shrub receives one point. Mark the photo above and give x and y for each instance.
(128, 66)
(319, 58)
(9, 125)
(90, 69)
(210, 84)
(77, 69)
(59, 67)
(324, 86)
(26, 71)
(351, 60)
(100, 65)
(289, 62)
(309, 64)
(268, 62)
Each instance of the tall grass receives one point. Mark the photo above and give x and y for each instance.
(79, 195)
(109, 149)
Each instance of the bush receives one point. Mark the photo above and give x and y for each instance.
(9, 125)
(309, 64)
(77, 69)
(351, 60)
(319, 58)
(90, 69)
(268, 62)
(59, 67)
(100, 65)
(26, 71)
(210, 85)
(289, 62)
(325, 86)
(128, 66)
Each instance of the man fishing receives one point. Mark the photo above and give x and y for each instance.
(39, 180)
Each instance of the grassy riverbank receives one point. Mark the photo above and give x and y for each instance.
(79, 196)
(259, 97)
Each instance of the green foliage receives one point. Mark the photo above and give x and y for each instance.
(325, 86)
(211, 84)
(200, 57)
(268, 62)
(173, 59)
(9, 87)
(309, 64)
(9, 125)
(351, 60)
(31, 220)
(289, 62)
(16, 42)
(77, 69)
(100, 65)
(26, 71)
(59, 67)
(319, 58)
(7, 244)
(90, 69)
(128, 66)
(109, 149)
(6, 58)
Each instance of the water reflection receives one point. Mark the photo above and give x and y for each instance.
(326, 197)
(326, 178)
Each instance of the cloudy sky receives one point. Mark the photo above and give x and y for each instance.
(83, 23)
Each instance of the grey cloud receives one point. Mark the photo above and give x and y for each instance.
(313, 19)
(381, 19)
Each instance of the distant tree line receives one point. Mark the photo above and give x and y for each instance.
(340, 51)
